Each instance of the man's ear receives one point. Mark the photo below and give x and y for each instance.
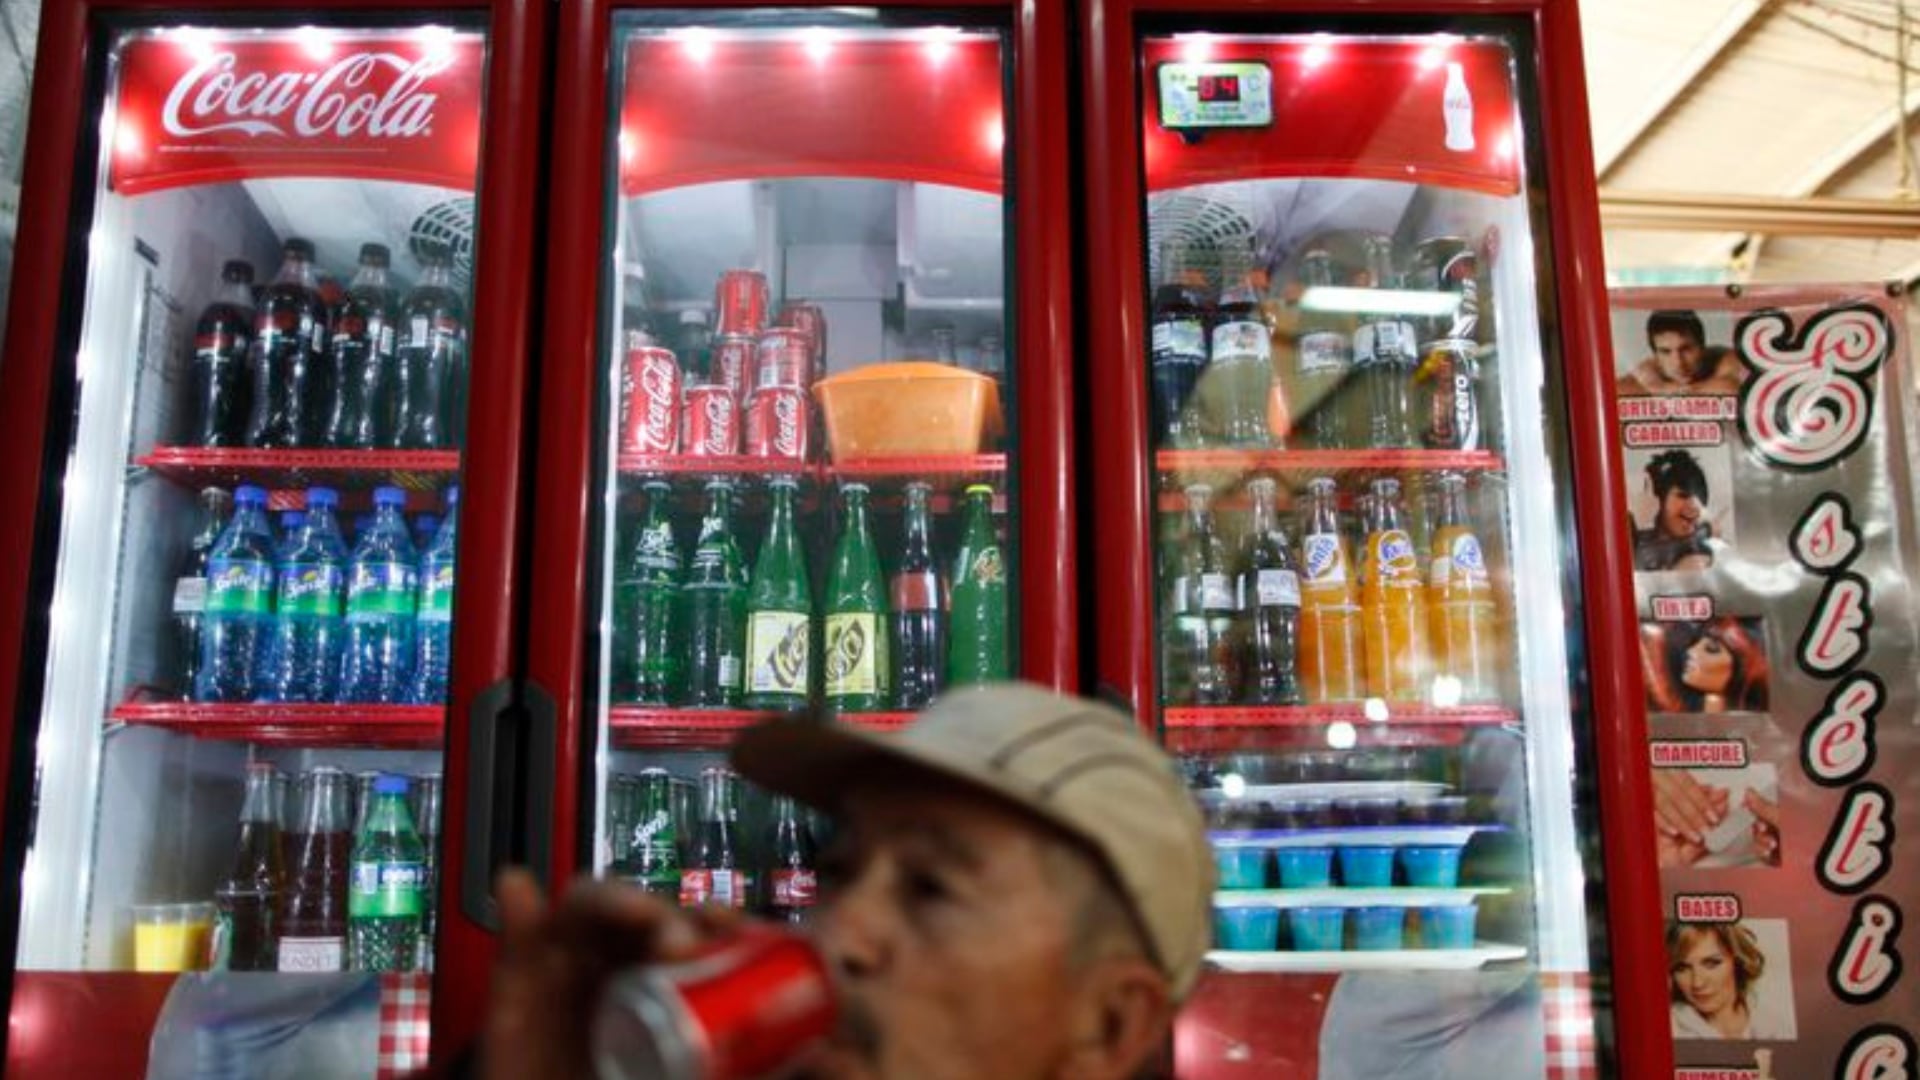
(1122, 1012)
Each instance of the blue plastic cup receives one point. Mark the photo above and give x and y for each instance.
(1366, 867)
(1431, 867)
(1449, 927)
(1379, 928)
(1246, 929)
(1241, 867)
(1305, 867)
(1317, 929)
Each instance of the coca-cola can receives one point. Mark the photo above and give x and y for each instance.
(649, 394)
(784, 357)
(811, 321)
(740, 303)
(732, 365)
(777, 423)
(748, 1006)
(709, 421)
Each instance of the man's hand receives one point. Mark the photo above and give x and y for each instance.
(554, 965)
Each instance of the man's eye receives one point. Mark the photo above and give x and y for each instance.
(925, 886)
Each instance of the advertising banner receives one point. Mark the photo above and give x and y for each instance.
(1768, 442)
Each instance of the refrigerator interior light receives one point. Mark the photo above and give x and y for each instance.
(1435, 54)
(697, 42)
(436, 43)
(995, 133)
(818, 43)
(629, 146)
(316, 42)
(1319, 50)
(1375, 710)
(1195, 48)
(1342, 735)
(1379, 301)
(1447, 691)
(1233, 785)
(197, 40)
(939, 43)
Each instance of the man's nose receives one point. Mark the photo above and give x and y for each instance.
(855, 929)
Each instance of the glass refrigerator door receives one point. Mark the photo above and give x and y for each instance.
(241, 710)
(802, 463)
(1363, 598)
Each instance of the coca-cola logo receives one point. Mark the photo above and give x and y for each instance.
(719, 411)
(786, 425)
(338, 101)
(658, 386)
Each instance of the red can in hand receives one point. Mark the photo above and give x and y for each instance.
(710, 422)
(740, 303)
(777, 423)
(783, 357)
(649, 400)
(734, 357)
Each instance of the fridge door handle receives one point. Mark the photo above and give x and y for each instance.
(509, 811)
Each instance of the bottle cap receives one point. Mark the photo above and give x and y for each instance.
(250, 494)
(980, 489)
(390, 785)
(389, 496)
(453, 495)
(850, 487)
(377, 254)
(318, 497)
(299, 247)
(237, 271)
(693, 316)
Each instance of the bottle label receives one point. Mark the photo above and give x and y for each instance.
(777, 652)
(656, 549)
(1242, 340)
(1385, 342)
(1393, 555)
(312, 954)
(852, 662)
(189, 595)
(1275, 588)
(1463, 564)
(220, 941)
(794, 888)
(239, 587)
(383, 339)
(386, 889)
(726, 888)
(730, 671)
(916, 592)
(1324, 352)
(1215, 593)
(436, 592)
(654, 837)
(418, 329)
(1321, 553)
(348, 327)
(219, 349)
(381, 588)
(987, 568)
(1182, 341)
(310, 590)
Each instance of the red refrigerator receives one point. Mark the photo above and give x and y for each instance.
(332, 207)
(1361, 565)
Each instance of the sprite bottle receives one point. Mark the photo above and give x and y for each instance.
(653, 852)
(856, 624)
(779, 613)
(714, 607)
(977, 651)
(386, 885)
(647, 663)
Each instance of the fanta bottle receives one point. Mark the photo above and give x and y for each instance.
(1329, 618)
(1393, 603)
(1460, 596)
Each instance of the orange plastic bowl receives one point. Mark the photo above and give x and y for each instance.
(907, 409)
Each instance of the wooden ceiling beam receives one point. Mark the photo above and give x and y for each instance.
(1703, 57)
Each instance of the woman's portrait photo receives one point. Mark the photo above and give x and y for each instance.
(1676, 522)
(1730, 980)
(1716, 666)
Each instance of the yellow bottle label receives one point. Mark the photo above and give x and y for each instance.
(853, 654)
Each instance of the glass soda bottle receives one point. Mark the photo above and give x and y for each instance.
(314, 932)
(1203, 610)
(432, 360)
(714, 600)
(1330, 653)
(648, 661)
(1239, 379)
(365, 407)
(1393, 603)
(792, 885)
(1324, 356)
(426, 823)
(977, 651)
(856, 668)
(652, 844)
(1386, 353)
(221, 403)
(289, 347)
(919, 619)
(247, 902)
(1179, 342)
(237, 630)
(714, 875)
(780, 612)
(1269, 598)
(307, 629)
(382, 589)
(1460, 599)
(190, 588)
(386, 889)
(434, 634)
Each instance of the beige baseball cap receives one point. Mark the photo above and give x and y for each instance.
(1081, 766)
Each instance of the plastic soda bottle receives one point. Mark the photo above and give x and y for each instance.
(1324, 357)
(434, 634)
(307, 629)
(431, 362)
(382, 587)
(246, 904)
(648, 661)
(856, 668)
(426, 823)
(291, 521)
(220, 340)
(423, 529)
(977, 651)
(1394, 603)
(1460, 596)
(1269, 601)
(1203, 611)
(780, 613)
(1386, 352)
(386, 886)
(652, 847)
(190, 587)
(365, 409)
(1330, 660)
(287, 376)
(237, 629)
(1237, 387)
(714, 600)
(314, 932)
(918, 625)
(1179, 336)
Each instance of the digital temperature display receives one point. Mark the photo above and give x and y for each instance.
(1215, 94)
(1220, 89)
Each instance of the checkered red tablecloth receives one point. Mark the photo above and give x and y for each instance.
(405, 1008)
(1567, 1000)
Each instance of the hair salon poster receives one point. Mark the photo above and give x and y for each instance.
(1768, 442)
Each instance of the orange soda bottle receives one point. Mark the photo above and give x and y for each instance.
(1460, 596)
(1393, 603)
(1329, 619)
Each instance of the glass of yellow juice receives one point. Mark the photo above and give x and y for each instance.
(171, 937)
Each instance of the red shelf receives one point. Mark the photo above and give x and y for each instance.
(919, 467)
(902, 468)
(392, 727)
(638, 727)
(1236, 727)
(699, 466)
(193, 466)
(1328, 461)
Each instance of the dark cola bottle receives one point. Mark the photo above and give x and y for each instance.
(919, 643)
(432, 360)
(220, 339)
(366, 407)
(287, 354)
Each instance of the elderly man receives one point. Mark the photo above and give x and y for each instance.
(1019, 886)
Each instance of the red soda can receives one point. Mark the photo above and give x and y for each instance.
(811, 321)
(649, 398)
(777, 423)
(784, 358)
(733, 363)
(740, 302)
(709, 422)
(748, 1006)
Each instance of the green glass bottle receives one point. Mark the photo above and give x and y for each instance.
(648, 655)
(653, 856)
(779, 613)
(977, 652)
(856, 625)
(714, 607)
